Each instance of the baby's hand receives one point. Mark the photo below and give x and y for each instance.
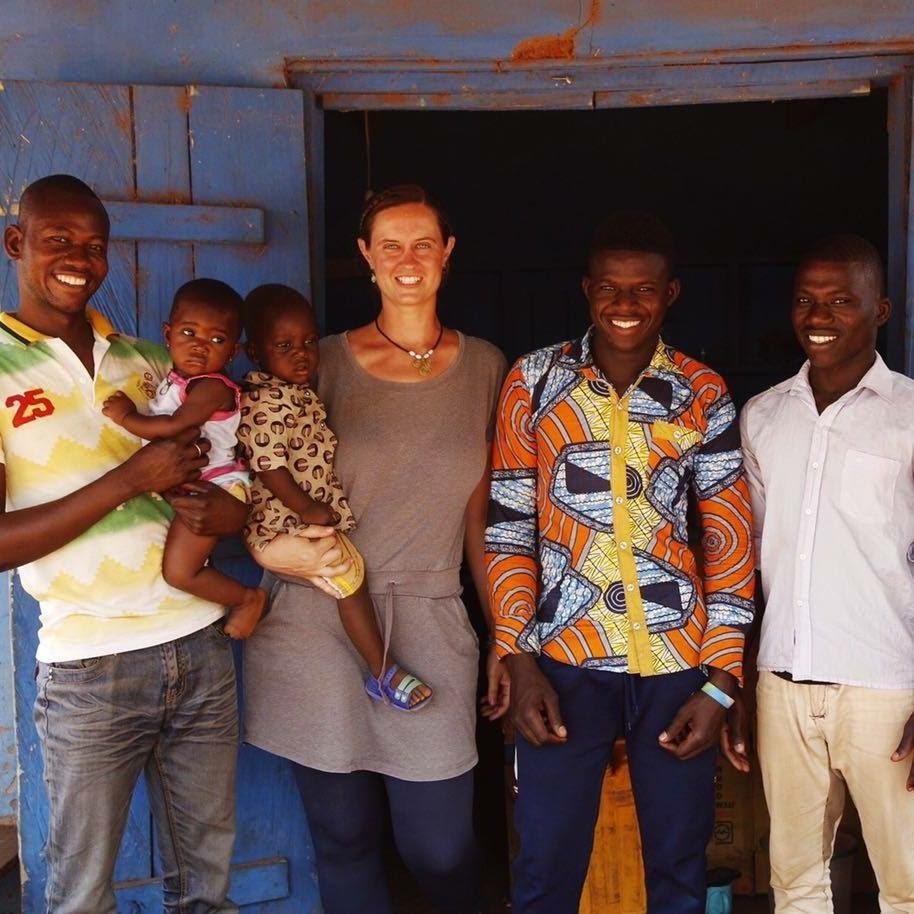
(321, 514)
(117, 407)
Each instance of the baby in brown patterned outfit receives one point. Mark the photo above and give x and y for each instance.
(290, 449)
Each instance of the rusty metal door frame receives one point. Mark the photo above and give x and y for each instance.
(589, 84)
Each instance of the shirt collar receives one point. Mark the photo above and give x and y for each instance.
(878, 379)
(27, 335)
(580, 355)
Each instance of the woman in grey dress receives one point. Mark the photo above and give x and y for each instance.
(411, 403)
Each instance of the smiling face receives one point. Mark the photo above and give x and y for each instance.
(286, 344)
(202, 337)
(407, 254)
(61, 251)
(837, 311)
(629, 293)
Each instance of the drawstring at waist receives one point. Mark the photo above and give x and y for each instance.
(432, 585)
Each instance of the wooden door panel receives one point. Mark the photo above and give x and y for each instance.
(47, 128)
(162, 176)
(200, 182)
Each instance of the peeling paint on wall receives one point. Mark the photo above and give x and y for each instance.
(557, 47)
(8, 788)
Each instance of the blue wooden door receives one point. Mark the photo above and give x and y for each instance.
(199, 181)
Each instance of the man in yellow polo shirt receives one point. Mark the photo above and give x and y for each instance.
(133, 675)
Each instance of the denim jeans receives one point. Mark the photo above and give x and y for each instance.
(169, 711)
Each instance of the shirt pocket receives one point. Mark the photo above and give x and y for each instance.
(868, 486)
(679, 435)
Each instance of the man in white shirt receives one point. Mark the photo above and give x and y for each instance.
(829, 455)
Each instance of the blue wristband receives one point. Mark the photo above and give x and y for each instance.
(722, 698)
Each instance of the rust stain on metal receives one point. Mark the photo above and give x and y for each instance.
(556, 47)
(124, 122)
(546, 47)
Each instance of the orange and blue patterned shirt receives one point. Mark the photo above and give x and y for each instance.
(587, 546)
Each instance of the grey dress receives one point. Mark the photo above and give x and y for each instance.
(409, 457)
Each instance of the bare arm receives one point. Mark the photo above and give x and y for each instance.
(30, 533)
(204, 397)
(498, 691)
(474, 545)
(293, 496)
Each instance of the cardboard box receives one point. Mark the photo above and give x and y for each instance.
(733, 842)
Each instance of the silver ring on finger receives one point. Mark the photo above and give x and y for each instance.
(199, 449)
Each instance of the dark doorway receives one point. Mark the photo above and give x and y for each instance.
(744, 187)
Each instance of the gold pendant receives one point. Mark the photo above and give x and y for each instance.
(423, 366)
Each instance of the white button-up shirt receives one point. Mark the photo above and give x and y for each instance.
(833, 514)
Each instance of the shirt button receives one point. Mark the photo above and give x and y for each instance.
(815, 466)
(617, 450)
(629, 587)
(623, 545)
(799, 603)
(637, 626)
(808, 511)
(802, 556)
(619, 499)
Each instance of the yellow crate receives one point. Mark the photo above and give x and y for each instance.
(615, 879)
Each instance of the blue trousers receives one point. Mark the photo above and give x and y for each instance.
(168, 712)
(432, 827)
(559, 792)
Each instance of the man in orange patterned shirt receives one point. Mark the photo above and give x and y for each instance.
(606, 618)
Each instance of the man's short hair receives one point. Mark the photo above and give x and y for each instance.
(848, 248)
(38, 191)
(633, 231)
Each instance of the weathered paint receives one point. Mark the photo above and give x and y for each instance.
(556, 47)
(730, 94)
(234, 42)
(8, 802)
(458, 101)
(329, 77)
(174, 222)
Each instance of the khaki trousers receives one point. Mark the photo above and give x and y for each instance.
(815, 742)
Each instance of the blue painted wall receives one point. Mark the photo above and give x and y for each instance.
(7, 733)
(235, 42)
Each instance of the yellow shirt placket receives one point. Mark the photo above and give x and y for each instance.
(639, 645)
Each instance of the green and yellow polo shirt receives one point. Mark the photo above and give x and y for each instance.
(103, 593)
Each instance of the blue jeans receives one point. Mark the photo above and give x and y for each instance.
(559, 788)
(169, 711)
(432, 828)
